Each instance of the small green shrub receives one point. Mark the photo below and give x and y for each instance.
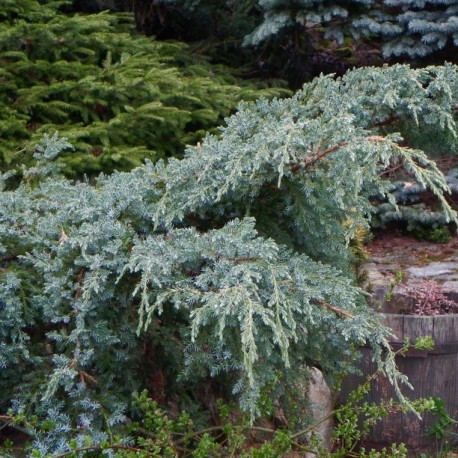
(436, 235)
(157, 434)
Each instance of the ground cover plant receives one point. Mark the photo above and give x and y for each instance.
(429, 298)
(118, 96)
(229, 271)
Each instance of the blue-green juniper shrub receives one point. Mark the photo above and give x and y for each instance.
(233, 264)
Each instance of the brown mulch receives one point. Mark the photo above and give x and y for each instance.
(417, 252)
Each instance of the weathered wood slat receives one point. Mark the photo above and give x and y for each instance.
(445, 329)
(432, 373)
(418, 326)
(396, 323)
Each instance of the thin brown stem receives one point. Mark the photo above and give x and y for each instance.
(335, 309)
(8, 423)
(317, 157)
(391, 170)
(241, 259)
(314, 158)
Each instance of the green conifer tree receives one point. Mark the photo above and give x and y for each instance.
(117, 96)
(310, 37)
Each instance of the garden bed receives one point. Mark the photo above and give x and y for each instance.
(399, 267)
(408, 279)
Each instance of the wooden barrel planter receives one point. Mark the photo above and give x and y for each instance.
(432, 374)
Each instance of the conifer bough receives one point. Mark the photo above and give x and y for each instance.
(233, 263)
(119, 97)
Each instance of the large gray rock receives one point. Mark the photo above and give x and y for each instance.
(436, 270)
(320, 400)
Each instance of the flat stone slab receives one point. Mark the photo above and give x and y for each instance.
(434, 269)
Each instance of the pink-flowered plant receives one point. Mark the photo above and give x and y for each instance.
(429, 298)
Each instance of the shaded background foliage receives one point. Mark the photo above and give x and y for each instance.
(92, 78)
(297, 40)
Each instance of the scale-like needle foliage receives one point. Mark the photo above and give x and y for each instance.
(232, 263)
